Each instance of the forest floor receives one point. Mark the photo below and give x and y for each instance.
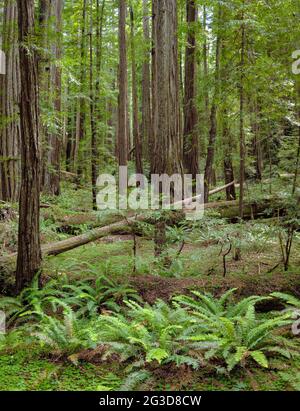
(198, 267)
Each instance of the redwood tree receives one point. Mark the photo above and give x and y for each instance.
(190, 111)
(52, 175)
(208, 174)
(29, 248)
(9, 101)
(167, 157)
(122, 140)
(135, 104)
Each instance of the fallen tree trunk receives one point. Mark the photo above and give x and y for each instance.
(252, 209)
(226, 209)
(60, 247)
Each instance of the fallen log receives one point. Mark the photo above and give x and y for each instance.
(226, 209)
(252, 209)
(60, 247)
(188, 201)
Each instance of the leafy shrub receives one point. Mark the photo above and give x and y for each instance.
(207, 307)
(158, 333)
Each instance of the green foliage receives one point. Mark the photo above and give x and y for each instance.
(68, 335)
(247, 337)
(149, 334)
(290, 300)
(192, 331)
(236, 331)
(207, 307)
(292, 378)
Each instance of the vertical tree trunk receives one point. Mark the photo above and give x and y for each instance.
(94, 139)
(298, 148)
(227, 144)
(70, 135)
(44, 67)
(122, 106)
(213, 115)
(99, 31)
(29, 248)
(167, 137)
(52, 175)
(257, 149)
(165, 99)
(242, 114)
(205, 64)
(135, 105)
(154, 84)
(81, 115)
(227, 137)
(147, 138)
(9, 110)
(190, 111)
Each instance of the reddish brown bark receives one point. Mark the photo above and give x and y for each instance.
(29, 248)
(190, 111)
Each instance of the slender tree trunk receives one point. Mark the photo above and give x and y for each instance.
(147, 138)
(227, 137)
(29, 247)
(99, 30)
(44, 67)
(228, 167)
(208, 174)
(81, 114)
(154, 83)
(135, 105)
(52, 175)
(205, 64)
(190, 132)
(9, 111)
(70, 135)
(298, 148)
(242, 114)
(94, 139)
(122, 106)
(257, 149)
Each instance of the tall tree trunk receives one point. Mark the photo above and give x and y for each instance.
(165, 99)
(242, 114)
(29, 247)
(99, 31)
(44, 67)
(227, 137)
(122, 106)
(208, 174)
(227, 144)
(147, 138)
(205, 64)
(154, 112)
(190, 111)
(52, 175)
(135, 105)
(167, 136)
(70, 135)
(298, 148)
(81, 115)
(9, 110)
(257, 149)
(94, 139)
